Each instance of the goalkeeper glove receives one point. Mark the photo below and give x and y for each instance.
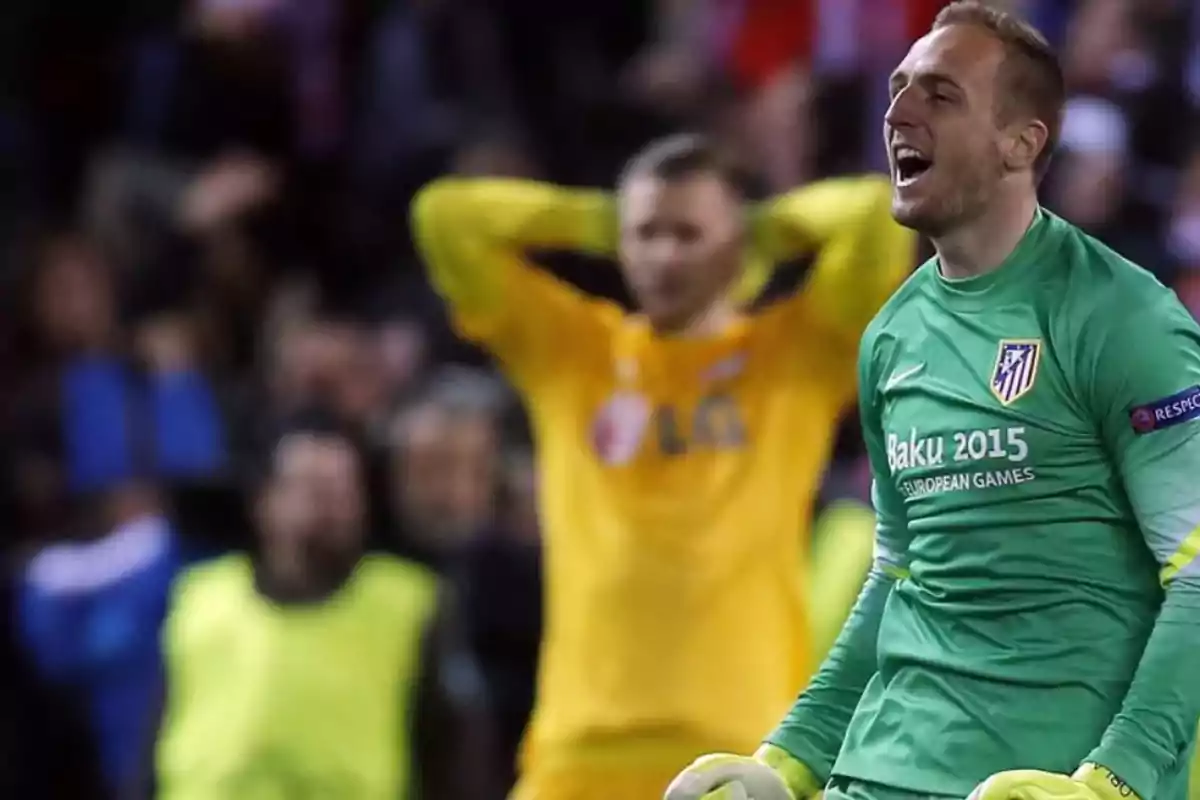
(1090, 782)
(771, 774)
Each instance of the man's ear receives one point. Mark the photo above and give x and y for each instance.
(1026, 143)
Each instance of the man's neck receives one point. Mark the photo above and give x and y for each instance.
(708, 322)
(295, 581)
(983, 244)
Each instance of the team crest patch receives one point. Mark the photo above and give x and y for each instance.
(619, 428)
(1016, 369)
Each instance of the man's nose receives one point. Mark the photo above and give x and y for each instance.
(903, 109)
(664, 252)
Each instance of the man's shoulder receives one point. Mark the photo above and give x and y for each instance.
(391, 573)
(1104, 307)
(907, 304)
(214, 575)
(1104, 284)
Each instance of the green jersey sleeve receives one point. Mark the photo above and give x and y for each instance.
(1144, 379)
(814, 728)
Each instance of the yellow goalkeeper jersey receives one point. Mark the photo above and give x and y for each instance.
(676, 474)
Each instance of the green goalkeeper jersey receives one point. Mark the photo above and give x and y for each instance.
(1034, 435)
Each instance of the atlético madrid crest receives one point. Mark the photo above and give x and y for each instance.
(1016, 368)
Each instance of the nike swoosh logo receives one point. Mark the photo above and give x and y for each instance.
(897, 377)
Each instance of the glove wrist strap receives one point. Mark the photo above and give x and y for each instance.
(1104, 782)
(798, 777)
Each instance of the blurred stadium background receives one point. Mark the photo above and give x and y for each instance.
(203, 225)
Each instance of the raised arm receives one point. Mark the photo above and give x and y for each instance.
(463, 226)
(473, 235)
(861, 253)
(1146, 373)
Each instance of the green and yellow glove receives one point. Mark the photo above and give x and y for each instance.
(770, 774)
(1090, 782)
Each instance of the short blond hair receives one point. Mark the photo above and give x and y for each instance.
(684, 155)
(1031, 77)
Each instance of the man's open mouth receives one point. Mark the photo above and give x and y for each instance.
(910, 164)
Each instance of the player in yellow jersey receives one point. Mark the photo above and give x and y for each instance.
(679, 448)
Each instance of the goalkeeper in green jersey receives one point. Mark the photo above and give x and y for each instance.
(1031, 406)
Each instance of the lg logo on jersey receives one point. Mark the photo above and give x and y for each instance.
(714, 424)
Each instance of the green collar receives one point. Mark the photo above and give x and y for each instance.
(1008, 279)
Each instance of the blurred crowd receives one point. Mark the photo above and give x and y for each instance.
(204, 231)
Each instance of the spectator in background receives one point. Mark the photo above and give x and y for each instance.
(502, 585)
(89, 618)
(205, 238)
(466, 506)
(344, 377)
(743, 65)
(313, 670)
(1089, 178)
(1183, 237)
(70, 310)
(123, 406)
(1110, 176)
(48, 752)
(355, 369)
(1126, 55)
(445, 466)
(121, 424)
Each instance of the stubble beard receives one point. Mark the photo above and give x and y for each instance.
(966, 198)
